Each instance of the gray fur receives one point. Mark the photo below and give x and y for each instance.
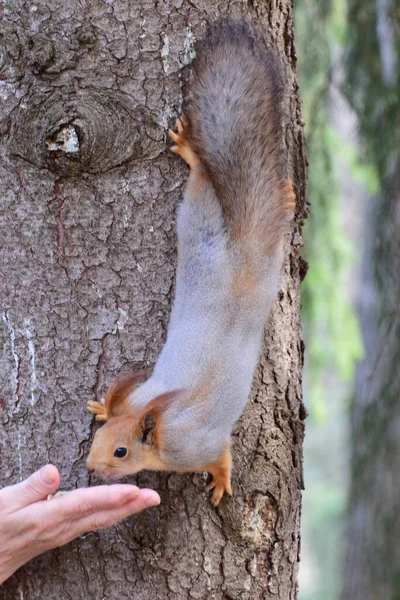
(215, 332)
(236, 124)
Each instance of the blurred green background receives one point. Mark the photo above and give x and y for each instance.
(348, 63)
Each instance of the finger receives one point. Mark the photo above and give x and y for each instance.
(35, 488)
(107, 518)
(84, 502)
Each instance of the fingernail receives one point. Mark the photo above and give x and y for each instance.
(152, 501)
(47, 475)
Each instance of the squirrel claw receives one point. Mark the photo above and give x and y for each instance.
(221, 473)
(218, 487)
(211, 485)
(174, 136)
(181, 139)
(179, 126)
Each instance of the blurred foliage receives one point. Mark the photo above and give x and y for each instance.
(324, 504)
(347, 49)
(333, 341)
(372, 78)
(331, 327)
(372, 88)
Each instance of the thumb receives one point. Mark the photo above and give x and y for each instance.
(35, 488)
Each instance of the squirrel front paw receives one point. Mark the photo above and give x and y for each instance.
(97, 409)
(182, 141)
(219, 486)
(221, 472)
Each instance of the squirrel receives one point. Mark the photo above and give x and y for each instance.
(230, 228)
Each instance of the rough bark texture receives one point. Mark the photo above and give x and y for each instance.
(89, 193)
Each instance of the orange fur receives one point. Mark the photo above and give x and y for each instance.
(289, 197)
(120, 389)
(128, 427)
(183, 145)
(221, 472)
(245, 281)
(98, 409)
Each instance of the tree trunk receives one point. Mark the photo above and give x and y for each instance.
(89, 193)
(372, 567)
(372, 570)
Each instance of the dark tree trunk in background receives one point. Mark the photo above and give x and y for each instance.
(372, 561)
(89, 194)
(372, 565)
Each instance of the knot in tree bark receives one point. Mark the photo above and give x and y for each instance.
(88, 130)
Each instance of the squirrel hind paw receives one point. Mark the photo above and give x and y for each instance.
(183, 146)
(97, 409)
(289, 197)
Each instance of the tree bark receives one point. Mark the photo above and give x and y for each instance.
(89, 193)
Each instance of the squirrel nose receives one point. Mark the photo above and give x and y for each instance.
(89, 467)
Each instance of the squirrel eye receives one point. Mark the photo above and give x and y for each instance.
(120, 452)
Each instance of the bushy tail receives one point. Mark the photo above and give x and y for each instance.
(235, 115)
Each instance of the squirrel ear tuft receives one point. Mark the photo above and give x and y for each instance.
(152, 414)
(120, 389)
(148, 425)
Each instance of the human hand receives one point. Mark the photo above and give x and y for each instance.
(30, 524)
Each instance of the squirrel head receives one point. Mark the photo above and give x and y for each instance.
(131, 438)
